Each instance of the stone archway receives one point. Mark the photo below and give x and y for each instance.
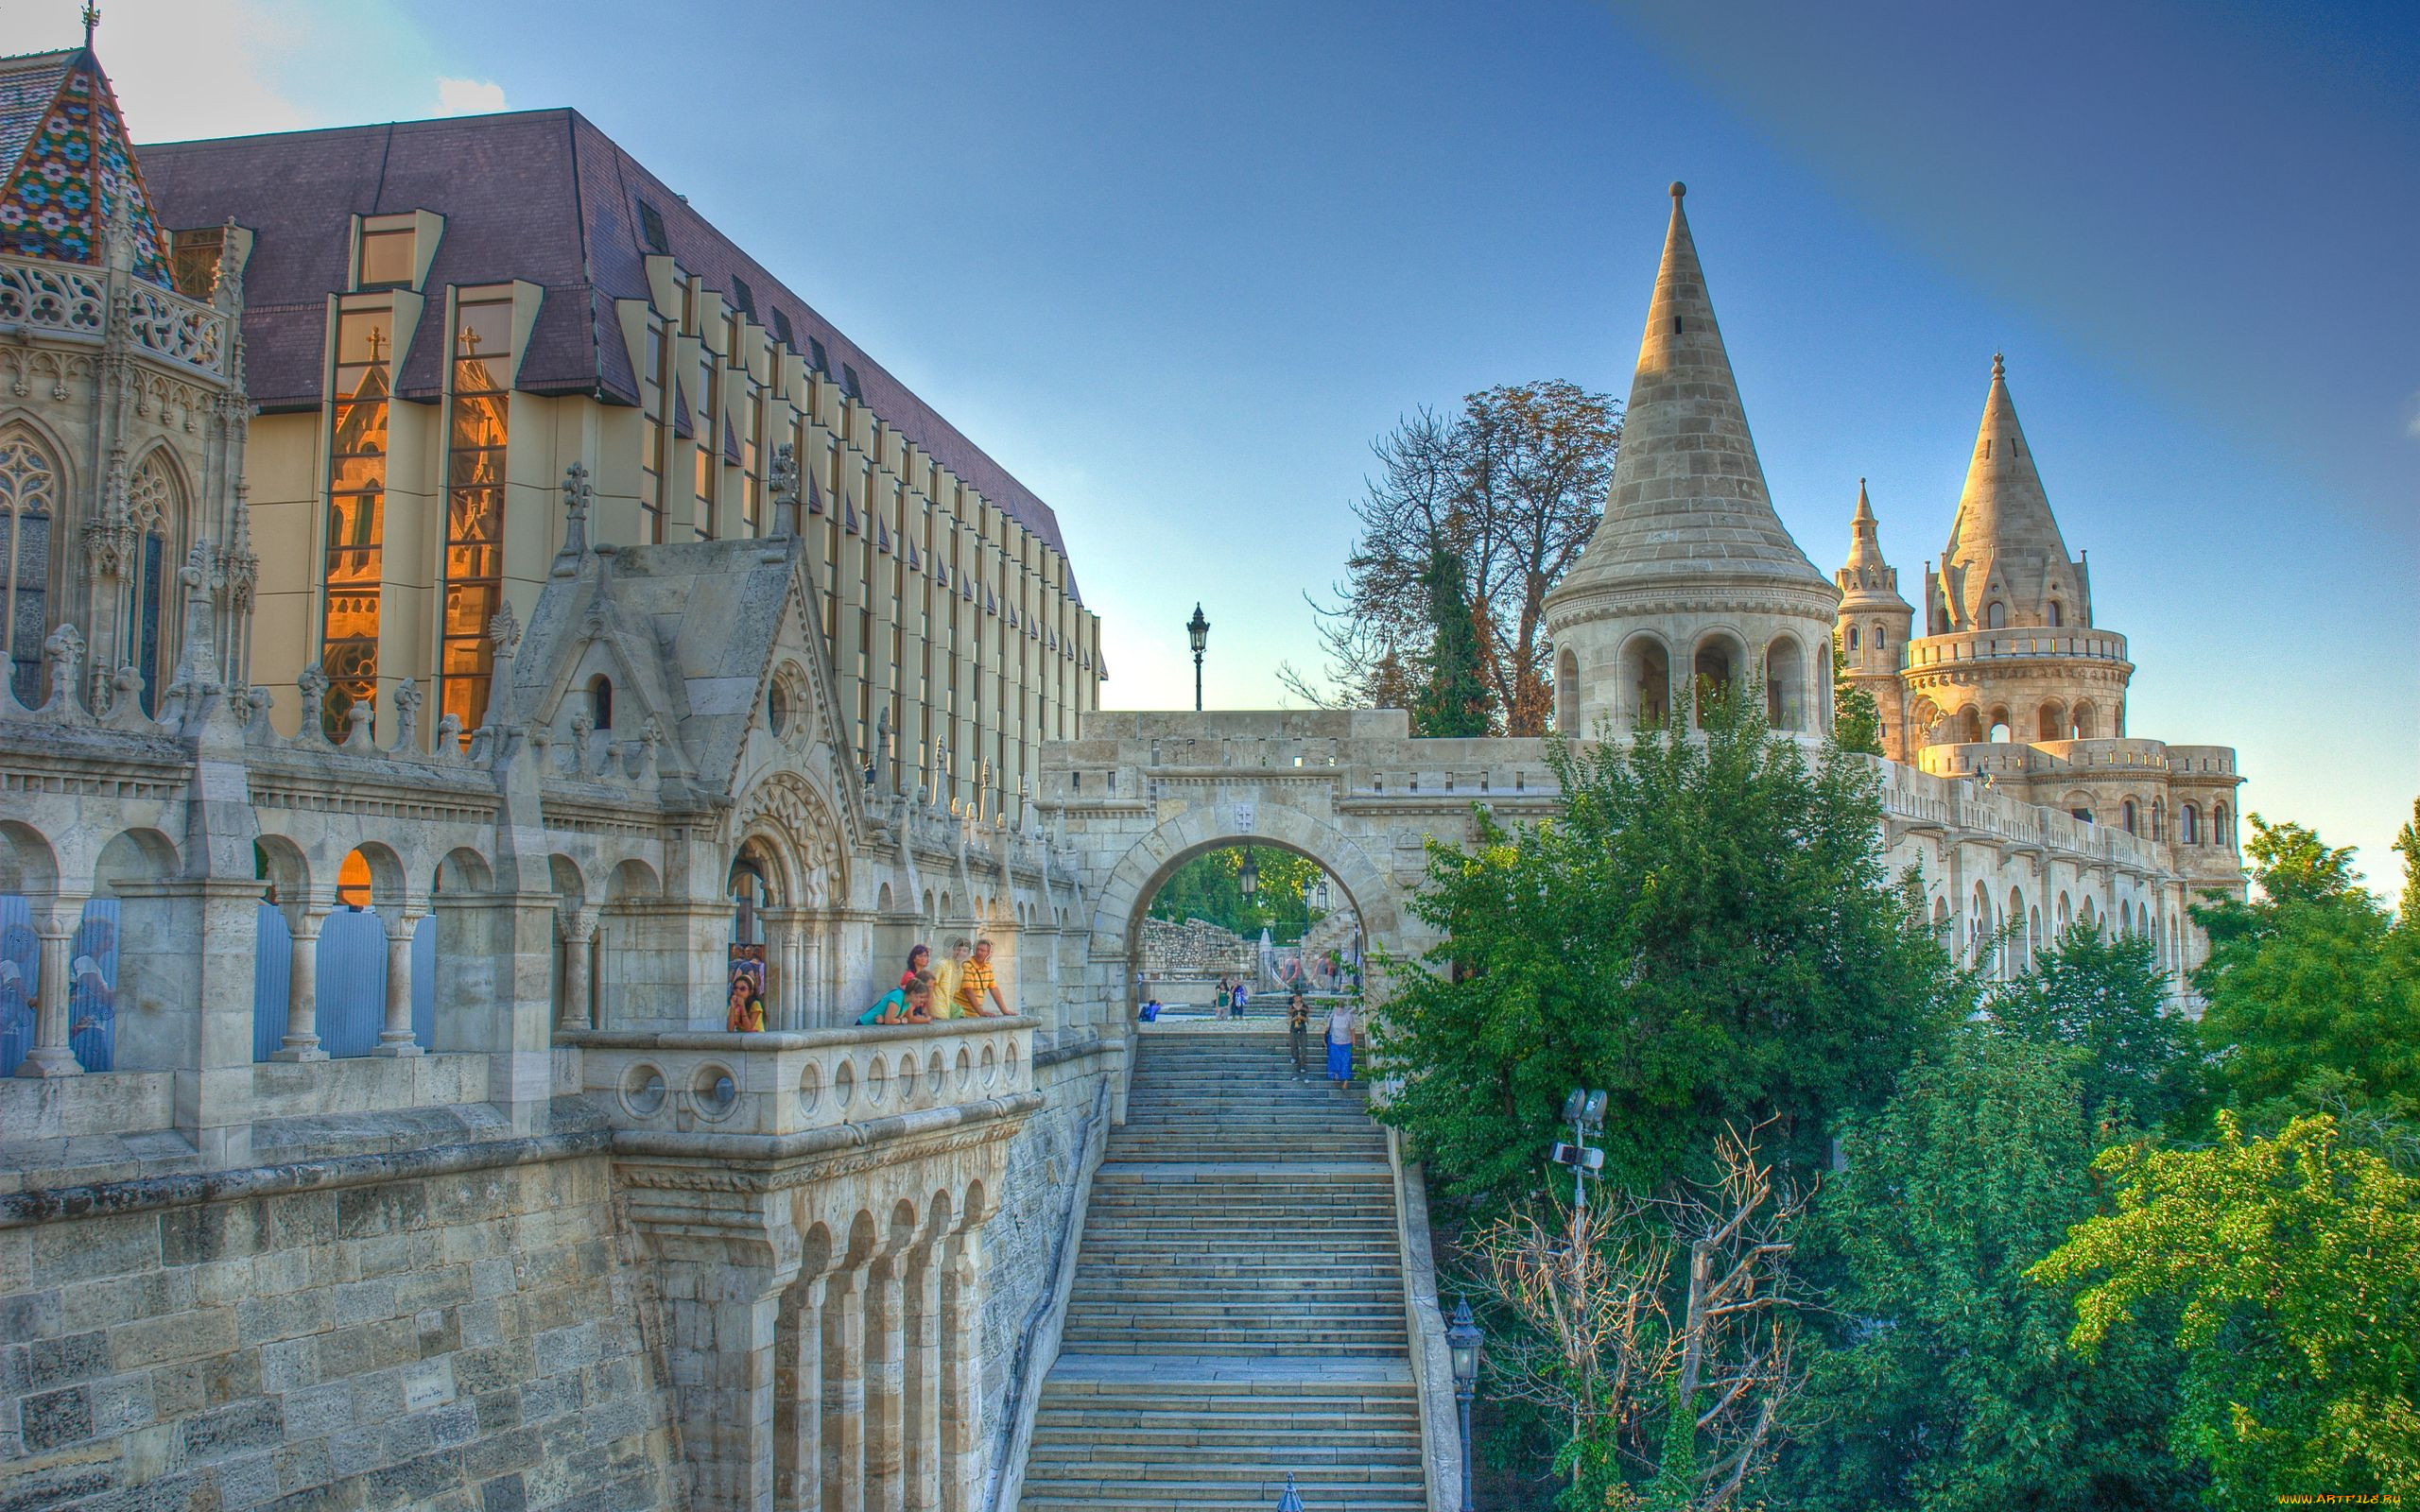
(1152, 859)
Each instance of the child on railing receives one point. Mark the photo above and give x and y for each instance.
(912, 1003)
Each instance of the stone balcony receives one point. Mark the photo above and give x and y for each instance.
(71, 302)
(1944, 652)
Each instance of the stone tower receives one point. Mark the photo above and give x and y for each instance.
(1875, 626)
(2010, 650)
(1691, 578)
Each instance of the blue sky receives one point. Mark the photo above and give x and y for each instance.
(1176, 265)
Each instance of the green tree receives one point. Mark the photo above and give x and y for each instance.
(2296, 1262)
(1857, 719)
(1453, 696)
(1951, 1389)
(2310, 987)
(1705, 929)
(1206, 888)
(2100, 1001)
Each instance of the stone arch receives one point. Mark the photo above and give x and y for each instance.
(1978, 925)
(1646, 691)
(2002, 732)
(1923, 717)
(2188, 824)
(278, 861)
(2051, 722)
(2084, 722)
(1785, 683)
(1566, 692)
(1716, 664)
(133, 855)
(2065, 916)
(2019, 955)
(1970, 726)
(1154, 857)
(463, 869)
(27, 863)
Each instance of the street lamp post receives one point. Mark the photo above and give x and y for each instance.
(1197, 631)
(1463, 1342)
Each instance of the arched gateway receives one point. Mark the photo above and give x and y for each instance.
(1141, 794)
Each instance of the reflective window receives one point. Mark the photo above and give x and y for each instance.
(357, 501)
(474, 472)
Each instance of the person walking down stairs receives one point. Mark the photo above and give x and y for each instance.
(1342, 1021)
(1238, 1307)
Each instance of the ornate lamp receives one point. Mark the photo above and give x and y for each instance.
(1463, 1341)
(1248, 878)
(1197, 631)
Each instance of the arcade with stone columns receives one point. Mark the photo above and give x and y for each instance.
(377, 1130)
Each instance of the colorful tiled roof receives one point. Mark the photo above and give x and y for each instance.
(65, 165)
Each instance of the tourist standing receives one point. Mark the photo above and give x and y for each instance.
(976, 981)
(1341, 1025)
(919, 961)
(945, 978)
(1298, 1030)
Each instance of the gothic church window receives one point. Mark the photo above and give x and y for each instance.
(28, 500)
(154, 510)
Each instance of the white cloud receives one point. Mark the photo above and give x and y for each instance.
(468, 96)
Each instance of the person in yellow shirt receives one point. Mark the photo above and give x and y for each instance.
(945, 979)
(976, 981)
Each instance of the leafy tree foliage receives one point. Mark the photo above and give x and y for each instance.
(2295, 1261)
(1453, 696)
(2312, 986)
(2099, 1001)
(1705, 929)
(1857, 719)
(1206, 888)
(1511, 487)
(1950, 1389)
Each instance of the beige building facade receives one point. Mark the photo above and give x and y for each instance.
(447, 315)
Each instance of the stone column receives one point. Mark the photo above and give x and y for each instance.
(580, 931)
(396, 1038)
(844, 1393)
(781, 941)
(302, 924)
(962, 1371)
(920, 1434)
(798, 1398)
(885, 1384)
(50, 1054)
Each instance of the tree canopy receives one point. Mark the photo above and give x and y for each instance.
(1510, 487)
(2100, 1002)
(1705, 929)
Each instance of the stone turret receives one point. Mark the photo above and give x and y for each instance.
(2010, 651)
(1691, 576)
(1874, 624)
(2006, 565)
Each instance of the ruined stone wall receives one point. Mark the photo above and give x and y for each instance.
(476, 1338)
(1195, 950)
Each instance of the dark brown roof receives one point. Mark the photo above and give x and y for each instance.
(542, 195)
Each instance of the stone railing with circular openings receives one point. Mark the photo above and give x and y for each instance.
(1984, 645)
(787, 1082)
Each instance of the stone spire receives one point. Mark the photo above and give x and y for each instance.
(1690, 580)
(1867, 581)
(1688, 502)
(2004, 546)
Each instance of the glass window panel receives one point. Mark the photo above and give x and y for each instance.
(365, 336)
(387, 256)
(484, 330)
(478, 420)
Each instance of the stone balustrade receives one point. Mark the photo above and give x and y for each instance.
(786, 1083)
(1939, 651)
(66, 300)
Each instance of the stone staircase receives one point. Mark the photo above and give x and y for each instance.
(1238, 1310)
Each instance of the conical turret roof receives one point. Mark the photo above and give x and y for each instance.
(1866, 581)
(1688, 503)
(2005, 544)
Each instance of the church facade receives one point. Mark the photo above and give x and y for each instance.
(474, 636)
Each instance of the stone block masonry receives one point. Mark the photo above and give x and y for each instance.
(474, 1338)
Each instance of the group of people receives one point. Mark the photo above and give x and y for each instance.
(1232, 997)
(963, 987)
(1342, 1023)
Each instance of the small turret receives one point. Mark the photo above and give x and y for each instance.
(1874, 623)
